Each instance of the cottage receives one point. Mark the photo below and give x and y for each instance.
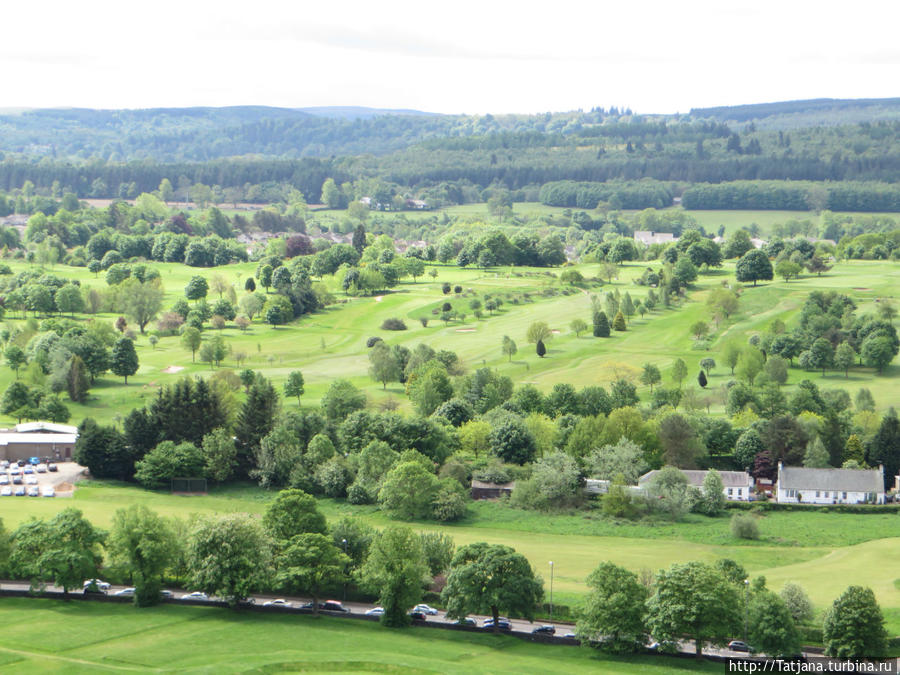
(484, 490)
(646, 237)
(737, 485)
(38, 439)
(799, 485)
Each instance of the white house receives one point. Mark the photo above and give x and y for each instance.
(738, 485)
(646, 237)
(799, 485)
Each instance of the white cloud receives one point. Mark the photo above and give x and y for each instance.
(462, 57)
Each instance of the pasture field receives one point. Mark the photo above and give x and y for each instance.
(824, 552)
(331, 343)
(47, 636)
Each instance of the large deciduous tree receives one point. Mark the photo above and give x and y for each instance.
(396, 569)
(311, 563)
(146, 545)
(64, 550)
(229, 556)
(490, 578)
(754, 266)
(854, 626)
(613, 615)
(693, 600)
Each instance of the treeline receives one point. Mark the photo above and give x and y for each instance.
(644, 194)
(793, 196)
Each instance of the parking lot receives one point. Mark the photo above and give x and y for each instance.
(66, 474)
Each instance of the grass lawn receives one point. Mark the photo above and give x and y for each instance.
(331, 343)
(43, 636)
(824, 552)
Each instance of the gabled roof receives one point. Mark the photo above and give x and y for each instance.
(52, 427)
(730, 479)
(838, 480)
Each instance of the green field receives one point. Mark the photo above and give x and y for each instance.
(46, 636)
(660, 337)
(824, 552)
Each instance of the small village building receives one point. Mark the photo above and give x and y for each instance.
(646, 237)
(737, 485)
(47, 440)
(799, 485)
(484, 490)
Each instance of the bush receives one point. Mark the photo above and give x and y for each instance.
(744, 526)
(393, 324)
(493, 473)
(372, 341)
(359, 494)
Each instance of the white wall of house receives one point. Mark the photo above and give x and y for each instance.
(828, 497)
(738, 494)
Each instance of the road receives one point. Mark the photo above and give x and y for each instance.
(519, 625)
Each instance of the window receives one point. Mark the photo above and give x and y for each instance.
(826, 495)
(740, 491)
(817, 494)
(729, 492)
(845, 496)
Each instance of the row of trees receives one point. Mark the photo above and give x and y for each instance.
(710, 604)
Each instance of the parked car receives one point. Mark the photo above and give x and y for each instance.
(333, 606)
(99, 583)
(14, 470)
(195, 595)
(52, 467)
(48, 491)
(546, 629)
(4, 479)
(418, 616)
(34, 491)
(569, 635)
(19, 491)
(425, 609)
(34, 461)
(467, 621)
(4, 463)
(739, 646)
(280, 602)
(41, 468)
(503, 624)
(31, 480)
(94, 590)
(28, 469)
(17, 479)
(125, 592)
(375, 611)
(166, 595)
(6, 491)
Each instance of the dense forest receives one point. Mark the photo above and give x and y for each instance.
(251, 153)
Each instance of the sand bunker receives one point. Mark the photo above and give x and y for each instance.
(465, 330)
(379, 298)
(173, 369)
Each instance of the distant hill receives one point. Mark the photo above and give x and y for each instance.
(356, 112)
(811, 112)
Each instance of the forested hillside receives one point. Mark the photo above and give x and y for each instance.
(253, 153)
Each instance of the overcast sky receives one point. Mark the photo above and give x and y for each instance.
(450, 57)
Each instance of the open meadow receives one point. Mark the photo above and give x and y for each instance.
(46, 636)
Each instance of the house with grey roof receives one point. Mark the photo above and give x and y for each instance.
(799, 485)
(738, 485)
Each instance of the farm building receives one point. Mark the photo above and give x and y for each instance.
(799, 485)
(738, 485)
(647, 237)
(483, 490)
(38, 439)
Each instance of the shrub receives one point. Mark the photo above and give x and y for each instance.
(393, 324)
(372, 341)
(744, 526)
(359, 494)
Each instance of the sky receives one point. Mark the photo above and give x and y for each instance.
(449, 57)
